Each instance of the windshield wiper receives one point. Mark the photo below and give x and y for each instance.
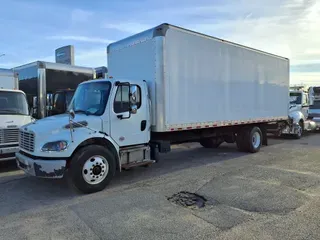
(9, 111)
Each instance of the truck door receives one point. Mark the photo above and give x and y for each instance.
(128, 128)
(305, 105)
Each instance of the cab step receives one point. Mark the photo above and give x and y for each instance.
(137, 164)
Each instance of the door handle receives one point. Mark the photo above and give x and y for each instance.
(143, 125)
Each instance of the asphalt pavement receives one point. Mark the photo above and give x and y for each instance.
(273, 194)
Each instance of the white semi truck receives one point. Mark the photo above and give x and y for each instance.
(299, 110)
(14, 112)
(166, 85)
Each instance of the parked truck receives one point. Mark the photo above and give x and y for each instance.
(298, 114)
(14, 113)
(166, 85)
(50, 86)
(299, 110)
(314, 96)
(314, 108)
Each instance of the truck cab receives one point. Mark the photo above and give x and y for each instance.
(299, 109)
(14, 113)
(107, 128)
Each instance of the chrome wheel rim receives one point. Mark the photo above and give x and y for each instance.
(299, 131)
(256, 140)
(95, 170)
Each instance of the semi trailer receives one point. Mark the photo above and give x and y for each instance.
(165, 85)
(14, 113)
(49, 86)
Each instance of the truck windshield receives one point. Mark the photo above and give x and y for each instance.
(91, 98)
(13, 103)
(295, 98)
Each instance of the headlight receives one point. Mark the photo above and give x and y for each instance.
(57, 146)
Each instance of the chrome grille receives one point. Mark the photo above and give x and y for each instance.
(26, 141)
(9, 135)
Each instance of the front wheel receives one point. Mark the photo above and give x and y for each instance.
(92, 168)
(299, 130)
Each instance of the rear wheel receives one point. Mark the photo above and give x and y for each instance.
(249, 139)
(92, 168)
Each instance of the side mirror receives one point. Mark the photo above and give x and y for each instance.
(134, 109)
(34, 102)
(72, 114)
(49, 99)
(133, 95)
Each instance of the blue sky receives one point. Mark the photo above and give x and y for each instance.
(33, 29)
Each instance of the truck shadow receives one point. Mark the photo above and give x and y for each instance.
(22, 193)
(8, 166)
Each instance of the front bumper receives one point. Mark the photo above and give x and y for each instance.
(8, 153)
(41, 168)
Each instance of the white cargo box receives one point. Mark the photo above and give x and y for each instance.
(198, 81)
(8, 79)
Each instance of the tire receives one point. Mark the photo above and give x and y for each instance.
(299, 134)
(229, 139)
(210, 142)
(91, 169)
(253, 138)
(154, 153)
(249, 139)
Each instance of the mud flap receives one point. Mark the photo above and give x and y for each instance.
(264, 135)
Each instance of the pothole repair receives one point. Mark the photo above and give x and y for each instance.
(189, 200)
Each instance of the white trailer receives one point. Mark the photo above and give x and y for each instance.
(8, 80)
(167, 85)
(14, 113)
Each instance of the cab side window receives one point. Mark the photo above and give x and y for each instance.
(304, 99)
(122, 102)
(138, 97)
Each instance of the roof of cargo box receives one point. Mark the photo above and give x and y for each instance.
(56, 66)
(6, 72)
(161, 30)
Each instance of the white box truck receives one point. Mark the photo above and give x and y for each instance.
(14, 113)
(166, 85)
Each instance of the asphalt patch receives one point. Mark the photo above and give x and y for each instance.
(188, 200)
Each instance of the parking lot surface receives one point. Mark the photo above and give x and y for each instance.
(273, 194)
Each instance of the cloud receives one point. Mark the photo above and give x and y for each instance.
(129, 27)
(81, 39)
(288, 28)
(306, 78)
(23, 61)
(79, 15)
(93, 57)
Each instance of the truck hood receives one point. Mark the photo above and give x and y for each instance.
(14, 120)
(58, 123)
(294, 107)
